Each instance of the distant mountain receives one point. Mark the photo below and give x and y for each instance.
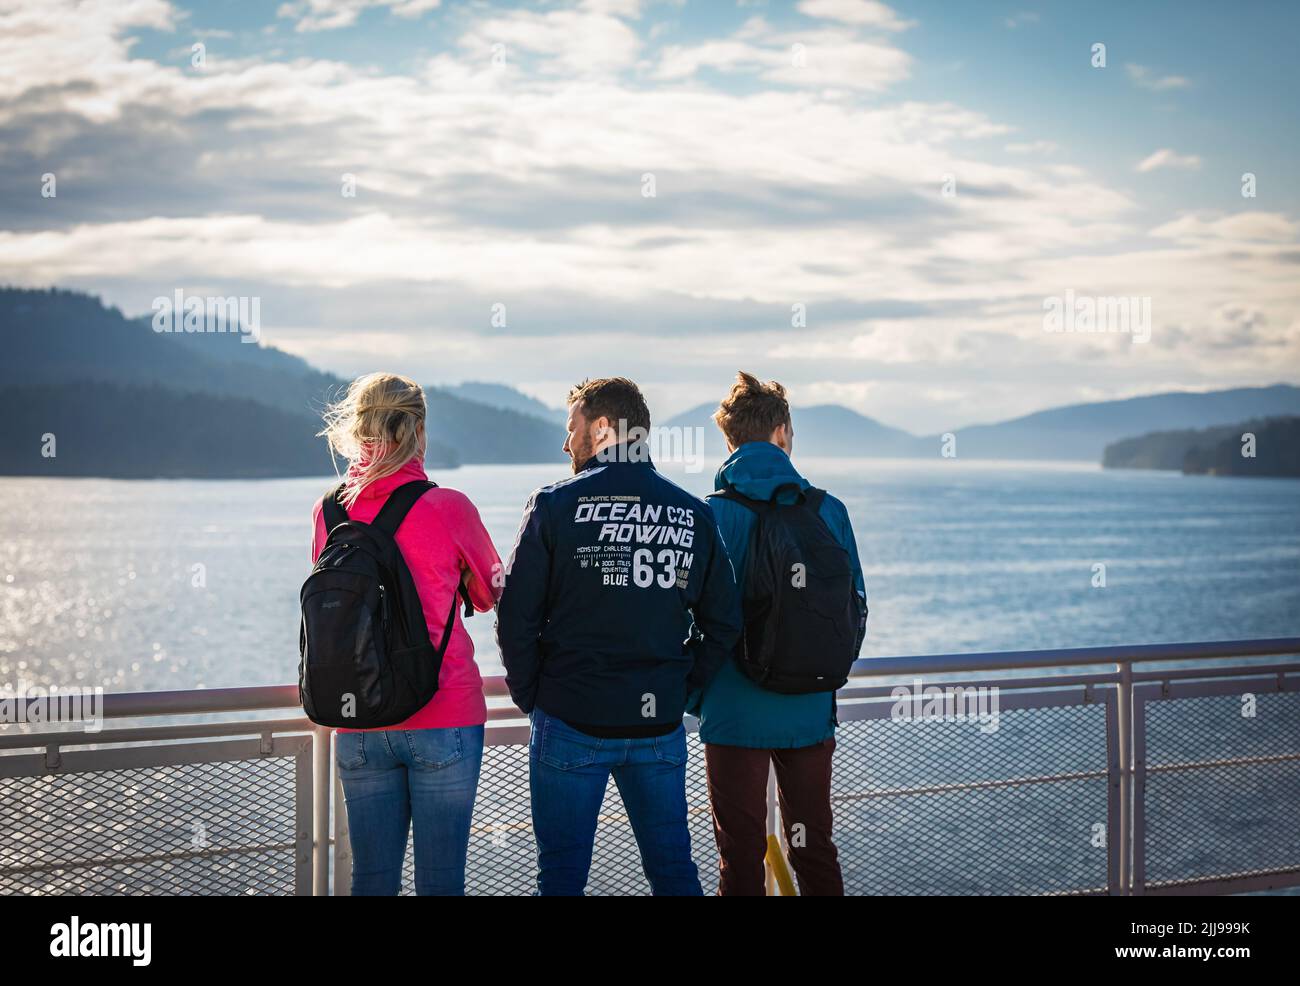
(508, 398)
(1216, 451)
(66, 343)
(820, 430)
(478, 433)
(1082, 431)
(1079, 431)
(829, 429)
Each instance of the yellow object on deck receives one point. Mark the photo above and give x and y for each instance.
(779, 868)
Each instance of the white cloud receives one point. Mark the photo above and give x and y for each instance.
(1239, 228)
(616, 8)
(329, 15)
(859, 13)
(62, 42)
(818, 59)
(1167, 158)
(1032, 147)
(570, 42)
(1140, 75)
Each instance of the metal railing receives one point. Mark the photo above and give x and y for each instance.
(1084, 771)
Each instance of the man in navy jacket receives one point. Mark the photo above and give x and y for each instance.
(619, 599)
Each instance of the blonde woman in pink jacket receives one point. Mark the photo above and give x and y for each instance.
(422, 773)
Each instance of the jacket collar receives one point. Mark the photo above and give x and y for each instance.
(620, 454)
(758, 470)
(413, 469)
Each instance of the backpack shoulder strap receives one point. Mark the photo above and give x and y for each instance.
(735, 496)
(762, 506)
(813, 499)
(399, 503)
(332, 509)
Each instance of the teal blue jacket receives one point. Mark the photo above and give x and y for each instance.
(733, 711)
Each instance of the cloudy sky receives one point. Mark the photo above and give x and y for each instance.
(916, 178)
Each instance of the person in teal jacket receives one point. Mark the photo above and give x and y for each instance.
(743, 725)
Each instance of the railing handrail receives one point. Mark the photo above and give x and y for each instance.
(198, 701)
(1074, 656)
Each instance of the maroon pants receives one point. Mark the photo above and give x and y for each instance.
(738, 794)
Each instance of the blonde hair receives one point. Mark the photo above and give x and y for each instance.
(375, 426)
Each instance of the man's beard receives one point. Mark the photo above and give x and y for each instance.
(580, 452)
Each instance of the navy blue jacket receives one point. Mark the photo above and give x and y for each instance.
(619, 598)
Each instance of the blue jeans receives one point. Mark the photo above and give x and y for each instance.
(395, 777)
(568, 771)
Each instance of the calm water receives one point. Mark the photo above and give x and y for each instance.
(99, 581)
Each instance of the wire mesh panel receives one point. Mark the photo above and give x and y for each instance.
(944, 807)
(503, 853)
(1218, 784)
(186, 824)
(704, 847)
(920, 807)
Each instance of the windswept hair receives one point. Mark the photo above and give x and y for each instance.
(375, 426)
(752, 410)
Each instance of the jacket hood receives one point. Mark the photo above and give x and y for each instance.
(757, 470)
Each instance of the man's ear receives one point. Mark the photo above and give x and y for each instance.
(781, 436)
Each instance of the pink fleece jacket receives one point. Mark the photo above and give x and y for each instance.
(441, 536)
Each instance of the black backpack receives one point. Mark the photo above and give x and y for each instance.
(803, 625)
(364, 640)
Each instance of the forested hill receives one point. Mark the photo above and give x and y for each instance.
(1266, 447)
(123, 400)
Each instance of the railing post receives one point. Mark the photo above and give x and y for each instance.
(342, 842)
(1124, 712)
(320, 810)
